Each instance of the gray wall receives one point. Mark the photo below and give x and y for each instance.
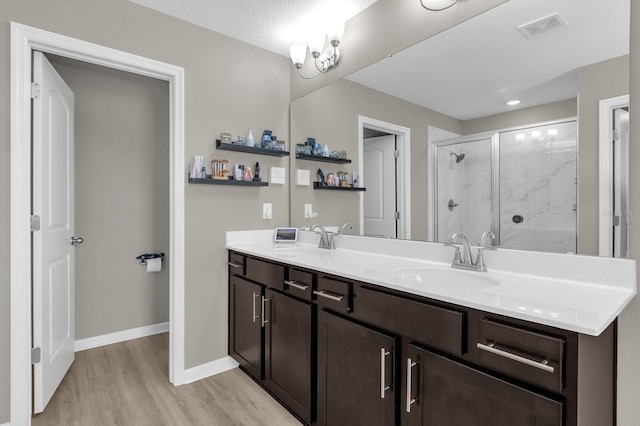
(628, 330)
(522, 117)
(331, 115)
(122, 196)
(229, 87)
(599, 81)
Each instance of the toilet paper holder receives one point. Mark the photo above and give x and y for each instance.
(142, 259)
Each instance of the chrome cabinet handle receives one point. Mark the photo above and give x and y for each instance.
(255, 317)
(296, 285)
(234, 264)
(264, 302)
(410, 401)
(76, 240)
(326, 295)
(383, 371)
(542, 365)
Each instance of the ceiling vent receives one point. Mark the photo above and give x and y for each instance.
(542, 25)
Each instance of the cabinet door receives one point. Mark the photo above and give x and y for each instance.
(356, 383)
(245, 324)
(442, 392)
(288, 334)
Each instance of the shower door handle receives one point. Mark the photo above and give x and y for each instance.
(452, 205)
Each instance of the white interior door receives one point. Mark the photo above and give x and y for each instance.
(620, 180)
(379, 174)
(53, 251)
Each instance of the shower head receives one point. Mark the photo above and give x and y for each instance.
(459, 157)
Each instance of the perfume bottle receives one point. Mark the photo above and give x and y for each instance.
(249, 139)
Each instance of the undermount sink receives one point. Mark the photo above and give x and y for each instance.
(443, 278)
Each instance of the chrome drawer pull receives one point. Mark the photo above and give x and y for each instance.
(383, 371)
(234, 264)
(326, 295)
(296, 285)
(542, 365)
(255, 317)
(410, 401)
(264, 311)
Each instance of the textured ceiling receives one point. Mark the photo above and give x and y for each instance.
(474, 68)
(270, 24)
(468, 71)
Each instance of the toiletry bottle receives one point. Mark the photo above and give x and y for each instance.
(325, 150)
(249, 139)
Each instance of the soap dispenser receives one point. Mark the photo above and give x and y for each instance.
(249, 139)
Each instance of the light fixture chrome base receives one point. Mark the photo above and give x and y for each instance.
(328, 60)
(324, 62)
(437, 5)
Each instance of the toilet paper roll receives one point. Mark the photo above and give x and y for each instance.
(154, 265)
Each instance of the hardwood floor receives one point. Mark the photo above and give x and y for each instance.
(127, 384)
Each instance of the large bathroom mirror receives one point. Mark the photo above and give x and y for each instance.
(454, 87)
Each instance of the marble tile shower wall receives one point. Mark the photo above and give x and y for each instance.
(537, 188)
(468, 184)
(538, 185)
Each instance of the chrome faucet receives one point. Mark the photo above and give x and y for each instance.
(341, 231)
(466, 254)
(326, 238)
(482, 247)
(465, 260)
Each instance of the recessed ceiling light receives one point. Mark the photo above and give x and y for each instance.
(514, 102)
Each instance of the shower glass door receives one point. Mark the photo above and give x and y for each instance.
(538, 188)
(463, 188)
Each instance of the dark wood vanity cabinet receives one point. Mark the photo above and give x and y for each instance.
(245, 321)
(270, 333)
(356, 373)
(442, 392)
(288, 352)
(340, 352)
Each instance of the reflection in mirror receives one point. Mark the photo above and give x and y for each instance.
(520, 184)
(459, 81)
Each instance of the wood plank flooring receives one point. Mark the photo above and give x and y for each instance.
(127, 384)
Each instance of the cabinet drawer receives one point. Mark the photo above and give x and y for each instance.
(236, 264)
(430, 325)
(527, 355)
(267, 273)
(334, 294)
(300, 283)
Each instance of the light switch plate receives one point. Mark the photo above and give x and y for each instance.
(308, 211)
(267, 211)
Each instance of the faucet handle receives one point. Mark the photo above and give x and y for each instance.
(456, 256)
(483, 240)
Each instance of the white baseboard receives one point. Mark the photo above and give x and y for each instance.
(209, 369)
(6, 424)
(120, 336)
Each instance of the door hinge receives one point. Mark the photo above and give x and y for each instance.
(396, 153)
(35, 222)
(35, 90)
(616, 221)
(616, 135)
(397, 215)
(35, 355)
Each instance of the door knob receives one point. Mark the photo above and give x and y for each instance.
(78, 240)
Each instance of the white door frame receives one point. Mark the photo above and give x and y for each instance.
(605, 167)
(403, 188)
(24, 39)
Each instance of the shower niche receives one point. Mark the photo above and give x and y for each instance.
(519, 183)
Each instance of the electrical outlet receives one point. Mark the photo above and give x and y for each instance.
(267, 211)
(308, 211)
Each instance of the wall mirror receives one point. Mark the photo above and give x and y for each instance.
(565, 57)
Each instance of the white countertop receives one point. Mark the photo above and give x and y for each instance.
(572, 292)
